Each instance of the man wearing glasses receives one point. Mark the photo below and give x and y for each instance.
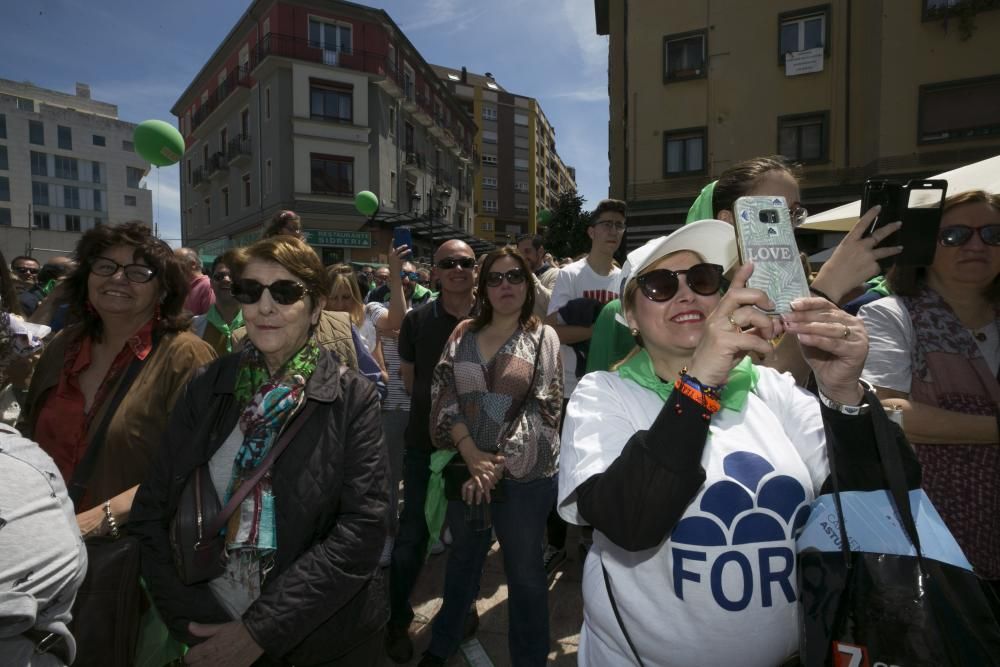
(25, 270)
(216, 326)
(581, 290)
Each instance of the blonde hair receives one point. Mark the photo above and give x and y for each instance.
(341, 274)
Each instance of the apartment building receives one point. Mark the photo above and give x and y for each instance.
(303, 105)
(851, 90)
(66, 164)
(518, 172)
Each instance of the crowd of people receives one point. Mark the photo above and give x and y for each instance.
(265, 452)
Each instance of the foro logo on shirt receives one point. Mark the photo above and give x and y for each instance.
(752, 508)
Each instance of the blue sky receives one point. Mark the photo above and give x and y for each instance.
(141, 54)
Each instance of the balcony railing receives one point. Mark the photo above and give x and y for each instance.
(198, 178)
(238, 149)
(236, 77)
(217, 163)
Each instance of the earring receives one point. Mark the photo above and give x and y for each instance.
(634, 332)
(156, 313)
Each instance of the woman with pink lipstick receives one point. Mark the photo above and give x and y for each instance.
(935, 354)
(497, 394)
(696, 468)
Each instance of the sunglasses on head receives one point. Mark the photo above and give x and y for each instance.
(284, 292)
(413, 276)
(953, 236)
(661, 284)
(452, 262)
(513, 277)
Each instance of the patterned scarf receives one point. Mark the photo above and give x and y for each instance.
(269, 400)
(214, 317)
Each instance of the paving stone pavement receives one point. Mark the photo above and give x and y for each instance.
(565, 608)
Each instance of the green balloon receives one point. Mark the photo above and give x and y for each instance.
(158, 142)
(544, 216)
(366, 202)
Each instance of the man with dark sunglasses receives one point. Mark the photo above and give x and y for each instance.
(422, 337)
(24, 270)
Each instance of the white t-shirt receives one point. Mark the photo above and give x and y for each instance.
(367, 331)
(891, 337)
(721, 589)
(575, 281)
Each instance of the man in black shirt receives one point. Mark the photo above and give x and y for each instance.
(422, 338)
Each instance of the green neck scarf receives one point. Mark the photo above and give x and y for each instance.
(701, 209)
(214, 318)
(742, 380)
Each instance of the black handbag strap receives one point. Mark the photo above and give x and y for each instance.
(618, 616)
(81, 476)
(220, 519)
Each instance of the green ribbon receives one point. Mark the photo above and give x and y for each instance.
(701, 209)
(742, 380)
(436, 505)
(214, 318)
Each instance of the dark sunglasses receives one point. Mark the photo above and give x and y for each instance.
(26, 270)
(412, 275)
(134, 273)
(452, 262)
(284, 292)
(661, 285)
(513, 277)
(953, 236)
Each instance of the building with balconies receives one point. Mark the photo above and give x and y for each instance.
(519, 172)
(303, 105)
(67, 163)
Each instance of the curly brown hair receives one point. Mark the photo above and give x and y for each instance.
(485, 309)
(170, 276)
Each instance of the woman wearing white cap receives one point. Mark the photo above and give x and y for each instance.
(696, 468)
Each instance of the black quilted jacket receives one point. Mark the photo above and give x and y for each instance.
(326, 593)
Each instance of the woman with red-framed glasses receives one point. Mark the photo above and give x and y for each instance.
(935, 354)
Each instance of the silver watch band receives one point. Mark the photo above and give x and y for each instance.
(850, 410)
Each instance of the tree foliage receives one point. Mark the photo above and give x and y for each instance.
(566, 232)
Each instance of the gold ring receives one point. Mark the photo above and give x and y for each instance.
(733, 322)
(847, 332)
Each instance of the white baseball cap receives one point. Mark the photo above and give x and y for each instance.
(713, 240)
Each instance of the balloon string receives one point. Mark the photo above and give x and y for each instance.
(157, 225)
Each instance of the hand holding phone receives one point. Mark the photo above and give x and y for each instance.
(402, 236)
(765, 236)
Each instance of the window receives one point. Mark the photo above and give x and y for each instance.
(489, 136)
(245, 122)
(490, 205)
(802, 30)
(521, 186)
(98, 202)
(959, 110)
(25, 104)
(133, 176)
(41, 221)
(521, 164)
(3, 126)
(223, 139)
(490, 182)
(189, 172)
(684, 152)
(95, 172)
(267, 104)
(520, 119)
(246, 190)
(487, 226)
(329, 37)
(803, 137)
(4, 188)
(267, 177)
(331, 101)
(71, 196)
(128, 146)
(393, 187)
(99, 140)
(408, 137)
(3, 158)
(208, 210)
(40, 193)
(65, 135)
(684, 56)
(72, 223)
(489, 113)
(392, 123)
(67, 168)
(489, 159)
(332, 175)
(36, 132)
(225, 202)
(4, 217)
(130, 200)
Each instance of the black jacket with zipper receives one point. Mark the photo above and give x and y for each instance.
(326, 593)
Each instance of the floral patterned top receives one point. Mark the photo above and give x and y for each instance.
(488, 395)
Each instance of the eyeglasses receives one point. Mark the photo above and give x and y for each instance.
(25, 270)
(661, 284)
(798, 215)
(284, 292)
(134, 273)
(611, 225)
(220, 276)
(451, 262)
(953, 236)
(513, 277)
(413, 276)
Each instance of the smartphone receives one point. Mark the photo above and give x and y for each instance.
(917, 204)
(402, 236)
(765, 236)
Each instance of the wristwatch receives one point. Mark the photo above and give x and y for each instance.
(849, 410)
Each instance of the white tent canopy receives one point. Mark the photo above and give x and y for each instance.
(983, 175)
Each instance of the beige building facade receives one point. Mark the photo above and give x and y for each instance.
(849, 89)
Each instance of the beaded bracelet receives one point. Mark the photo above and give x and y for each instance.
(705, 395)
(112, 524)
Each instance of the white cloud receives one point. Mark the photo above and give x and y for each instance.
(452, 15)
(591, 94)
(579, 16)
(165, 185)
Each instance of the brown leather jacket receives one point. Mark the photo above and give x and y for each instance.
(136, 429)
